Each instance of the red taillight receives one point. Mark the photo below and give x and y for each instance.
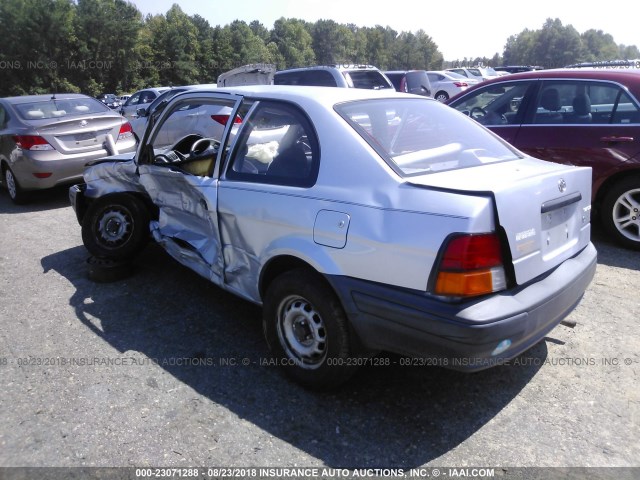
(223, 119)
(43, 174)
(471, 265)
(460, 84)
(31, 142)
(125, 131)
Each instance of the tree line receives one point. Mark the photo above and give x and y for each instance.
(97, 46)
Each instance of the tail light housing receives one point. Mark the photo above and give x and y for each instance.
(460, 84)
(126, 131)
(471, 265)
(32, 143)
(223, 119)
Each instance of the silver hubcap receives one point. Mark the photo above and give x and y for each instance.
(11, 184)
(302, 332)
(626, 214)
(114, 227)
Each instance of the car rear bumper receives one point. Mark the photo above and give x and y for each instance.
(50, 168)
(470, 336)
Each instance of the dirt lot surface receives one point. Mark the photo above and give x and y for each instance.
(165, 369)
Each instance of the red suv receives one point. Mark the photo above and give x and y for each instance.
(576, 117)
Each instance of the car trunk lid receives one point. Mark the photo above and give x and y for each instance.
(79, 135)
(544, 208)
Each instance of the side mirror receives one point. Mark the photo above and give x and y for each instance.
(141, 112)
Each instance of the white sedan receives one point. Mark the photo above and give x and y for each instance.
(362, 221)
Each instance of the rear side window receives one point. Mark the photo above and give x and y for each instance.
(278, 145)
(571, 102)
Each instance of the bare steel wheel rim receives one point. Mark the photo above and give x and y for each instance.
(11, 183)
(626, 214)
(114, 227)
(302, 332)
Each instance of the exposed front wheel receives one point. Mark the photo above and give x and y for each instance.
(306, 329)
(621, 212)
(115, 227)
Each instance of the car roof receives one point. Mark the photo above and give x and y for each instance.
(340, 68)
(307, 95)
(45, 97)
(627, 76)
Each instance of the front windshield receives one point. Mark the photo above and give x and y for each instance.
(418, 136)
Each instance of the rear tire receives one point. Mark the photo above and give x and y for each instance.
(16, 193)
(307, 330)
(116, 227)
(441, 96)
(620, 212)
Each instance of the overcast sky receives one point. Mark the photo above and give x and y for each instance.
(469, 29)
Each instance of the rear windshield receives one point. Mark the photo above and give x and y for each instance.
(60, 108)
(418, 136)
(370, 79)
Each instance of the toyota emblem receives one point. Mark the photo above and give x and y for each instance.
(562, 185)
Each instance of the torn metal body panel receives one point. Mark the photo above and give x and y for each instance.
(187, 225)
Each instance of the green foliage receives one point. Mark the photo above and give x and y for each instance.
(105, 46)
(555, 45)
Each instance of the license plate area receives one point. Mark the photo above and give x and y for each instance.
(560, 230)
(85, 137)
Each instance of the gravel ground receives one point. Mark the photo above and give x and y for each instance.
(164, 369)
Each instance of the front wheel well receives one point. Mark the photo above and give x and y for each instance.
(144, 199)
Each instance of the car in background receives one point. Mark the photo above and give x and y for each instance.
(123, 99)
(46, 140)
(476, 73)
(345, 76)
(195, 118)
(517, 68)
(141, 116)
(140, 99)
(445, 85)
(289, 224)
(410, 81)
(588, 117)
(252, 74)
(110, 100)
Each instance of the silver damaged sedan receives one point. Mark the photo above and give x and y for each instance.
(46, 140)
(362, 221)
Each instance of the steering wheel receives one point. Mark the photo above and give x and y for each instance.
(169, 157)
(480, 115)
(477, 112)
(201, 145)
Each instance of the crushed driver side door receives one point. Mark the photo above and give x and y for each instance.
(181, 178)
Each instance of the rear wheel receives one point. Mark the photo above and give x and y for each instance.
(16, 193)
(116, 227)
(620, 212)
(306, 329)
(441, 96)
